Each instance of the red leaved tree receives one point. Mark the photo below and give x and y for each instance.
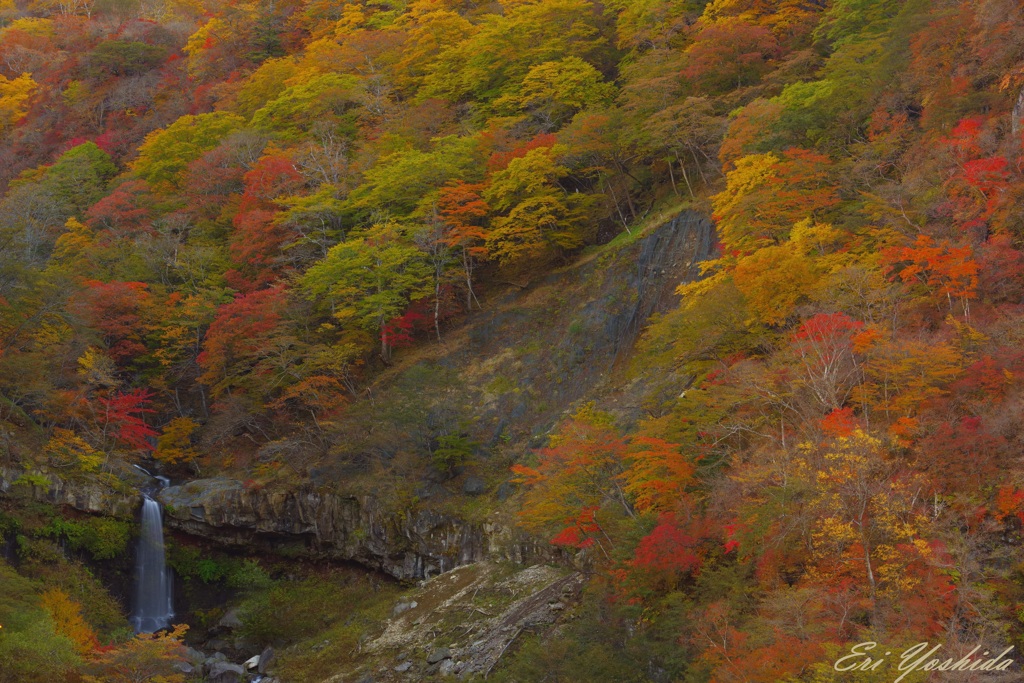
(950, 272)
(118, 310)
(238, 338)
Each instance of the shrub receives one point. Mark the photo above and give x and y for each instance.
(102, 537)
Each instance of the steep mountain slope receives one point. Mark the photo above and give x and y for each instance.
(425, 256)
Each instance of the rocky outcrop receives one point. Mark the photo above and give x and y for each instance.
(93, 495)
(304, 522)
(462, 623)
(301, 522)
(669, 256)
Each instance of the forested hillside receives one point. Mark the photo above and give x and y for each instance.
(232, 234)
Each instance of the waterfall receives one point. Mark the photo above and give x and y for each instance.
(154, 607)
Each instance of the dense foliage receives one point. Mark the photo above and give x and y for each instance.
(222, 220)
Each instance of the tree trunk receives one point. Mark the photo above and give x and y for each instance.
(1017, 118)
(682, 168)
(467, 264)
(437, 307)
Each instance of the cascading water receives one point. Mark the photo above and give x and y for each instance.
(154, 606)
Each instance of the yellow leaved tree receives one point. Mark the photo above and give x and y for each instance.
(15, 94)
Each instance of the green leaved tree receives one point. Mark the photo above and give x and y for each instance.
(371, 279)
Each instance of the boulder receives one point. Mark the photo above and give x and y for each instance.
(214, 658)
(430, 490)
(230, 620)
(267, 658)
(440, 654)
(505, 491)
(474, 486)
(401, 608)
(225, 672)
(217, 645)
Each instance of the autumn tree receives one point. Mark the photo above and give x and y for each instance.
(31, 649)
(260, 237)
(766, 195)
(504, 47)
(553, 91)
(577, 479)
(464, 212)
(80, 176)
(729, 53)
(238, 338)
(165, 154)
(126, 210)
(118, 310)
(871, 531)
(535, 216)
(370, 279)
(402, 180)
(827, 345)
(14, 98)
(68, 621)
(902, 375)
(118, 419)
(146, 657)
(298, 107)
(681, 133)
(428, 29)
(174, 445)
(950, 272)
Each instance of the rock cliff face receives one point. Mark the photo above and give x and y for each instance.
(92, 496)
(414, 544)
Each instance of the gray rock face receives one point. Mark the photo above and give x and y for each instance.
(413, 545)
(438, 655)
(92, 497)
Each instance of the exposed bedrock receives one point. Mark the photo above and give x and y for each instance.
(410, 544)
